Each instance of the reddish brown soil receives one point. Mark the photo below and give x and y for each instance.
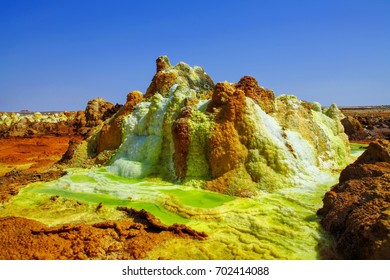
(129, 238)
(25, 160)
(31, 155)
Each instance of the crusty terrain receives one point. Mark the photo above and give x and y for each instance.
(356, 211)
(364, 124)
(24, 160)
(129, 238)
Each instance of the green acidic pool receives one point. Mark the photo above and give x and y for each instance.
(198, 198)
(357, 149)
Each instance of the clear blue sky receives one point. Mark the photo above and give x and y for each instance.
(57, 55)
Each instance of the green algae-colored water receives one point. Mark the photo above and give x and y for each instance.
(357, 149)
(278, 225)
(111, 201)
(199, 198)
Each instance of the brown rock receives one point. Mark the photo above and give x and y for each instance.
(20, 129)
(356, 211)
(353, 128)
(226, 150)
(111, 134)
(181, 74)
(156, 225)
(3, 129)
(359, 171)
(132, 99)
(181, 141)
(13, 181)
(236, 182)
(265, 98)
(162, 63)
(227, 143)
(377, 151)
(98, 110)
(73, 144)
(375, 121)
(37, 126)
(128, 238)
(162, 80)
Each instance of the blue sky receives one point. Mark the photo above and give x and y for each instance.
(57, 55)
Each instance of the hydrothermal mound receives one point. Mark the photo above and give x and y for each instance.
(232, 160)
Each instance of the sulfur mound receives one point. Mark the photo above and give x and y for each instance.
(231, 138)
(356, 211)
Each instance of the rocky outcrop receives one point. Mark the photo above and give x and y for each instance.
(367, 123)
(181, 132)
(105, 137)
(356, 211)
(130, 238)
(168, 75)
(156, 225)
(265, 98)
(13, 181)
(98, 110)
(83, 128)
(246, 153)
(228, 139)
(72, 147)
(353, 128)
(110, 136)
(38, 125)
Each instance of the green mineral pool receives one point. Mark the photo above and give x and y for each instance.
(357, 149)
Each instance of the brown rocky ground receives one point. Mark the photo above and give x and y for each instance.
(364, 124)
(35, 154)
(24, 160)
(356, 211)
(129, 238)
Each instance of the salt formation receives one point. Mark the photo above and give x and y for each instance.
(231, 138)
